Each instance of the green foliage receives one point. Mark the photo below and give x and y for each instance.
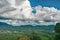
(57, 28)
(57, 31)
(57, 37)
(35, 36)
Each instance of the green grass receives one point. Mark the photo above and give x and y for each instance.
(14, 36)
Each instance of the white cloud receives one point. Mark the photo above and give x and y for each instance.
(14, 11)
(20, 13)
(47, 13)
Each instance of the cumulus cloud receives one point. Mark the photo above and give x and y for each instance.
(47, 13)
(14, 10)
(19, 12)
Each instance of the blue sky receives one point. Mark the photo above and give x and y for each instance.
(47, 3)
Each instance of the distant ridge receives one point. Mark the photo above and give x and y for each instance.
(5, 26)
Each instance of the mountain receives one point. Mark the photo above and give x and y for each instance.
(4, 26)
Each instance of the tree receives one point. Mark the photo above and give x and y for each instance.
(57, 31)
(57, 28)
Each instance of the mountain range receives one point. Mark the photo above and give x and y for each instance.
(5, 26)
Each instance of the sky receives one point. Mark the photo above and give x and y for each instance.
(32, 12)
(47, 3)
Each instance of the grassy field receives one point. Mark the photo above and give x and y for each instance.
(43, 35)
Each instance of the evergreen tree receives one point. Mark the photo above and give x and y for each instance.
(57, 31)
